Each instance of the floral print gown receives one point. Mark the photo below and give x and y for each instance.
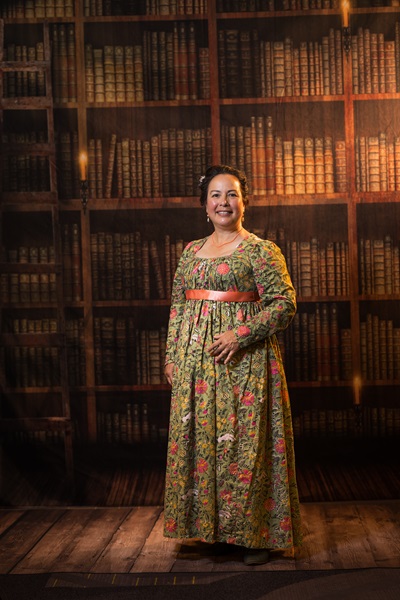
(230, 468)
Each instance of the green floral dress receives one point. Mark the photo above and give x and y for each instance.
(230, 468)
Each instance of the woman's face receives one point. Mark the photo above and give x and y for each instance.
(224, 202)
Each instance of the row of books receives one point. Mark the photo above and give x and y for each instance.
(76, 357)
(24, 83)
(63, 63)
(168, 164)
(133, 425)
(318, 269)
(375, 421)
(271, 5)
(121, 264)
(379, 265)
(168, 65)
(125, 354)
(251, 67)
(377, 163)
(26, 325)
(26, 173)
(28, 288)
(67, 157)
(72, 262)
(30, 254)
(39, 9)
(284, 167)
(375, 62)
(75, 343)
(315, 348)
(380, 349)
(125, 266)
(29, 366)
(28, 9)
(24, 137)
(31, 362)
(98, 8)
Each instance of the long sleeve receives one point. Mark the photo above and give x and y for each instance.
(178, 300)
(277, 294)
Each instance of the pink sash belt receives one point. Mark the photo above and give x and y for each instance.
(222, 296)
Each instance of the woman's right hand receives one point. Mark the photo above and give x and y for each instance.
(169, 372)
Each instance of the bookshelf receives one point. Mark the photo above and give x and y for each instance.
(34, 382)
(154, 96)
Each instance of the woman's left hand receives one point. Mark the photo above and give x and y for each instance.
(223, 348)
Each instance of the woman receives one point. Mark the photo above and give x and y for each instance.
(230, 469)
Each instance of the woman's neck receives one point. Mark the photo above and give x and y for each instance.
(225, 239)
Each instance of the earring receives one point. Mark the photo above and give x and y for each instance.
(208, 219)
(242, 217)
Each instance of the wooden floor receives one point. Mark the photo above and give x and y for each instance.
(337, 535)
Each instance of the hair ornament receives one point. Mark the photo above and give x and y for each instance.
(201, 179)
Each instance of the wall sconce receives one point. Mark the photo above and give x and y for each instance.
(357, 390)
(346, 26)
(84, 180)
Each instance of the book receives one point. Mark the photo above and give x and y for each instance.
(76, 259)
(155, 262)
(340, 166)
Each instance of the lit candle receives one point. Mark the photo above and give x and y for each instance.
(357, 389)
(346, 12)
(83, 165)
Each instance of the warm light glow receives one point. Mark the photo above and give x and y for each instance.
(83, 166)
(357, 389)
(346, 12)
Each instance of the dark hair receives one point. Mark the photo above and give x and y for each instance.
(214, 170)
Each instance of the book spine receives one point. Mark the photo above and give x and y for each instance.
(76, 260)
(156, 264)
(71, 64)
(98, 150)
(340, 166)
(299, 166)
(309, 166)
(355, 64)
(305, 268)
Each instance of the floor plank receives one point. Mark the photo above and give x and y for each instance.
(8, 518)
(159, 553)
(19, 539)
(127, 542)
